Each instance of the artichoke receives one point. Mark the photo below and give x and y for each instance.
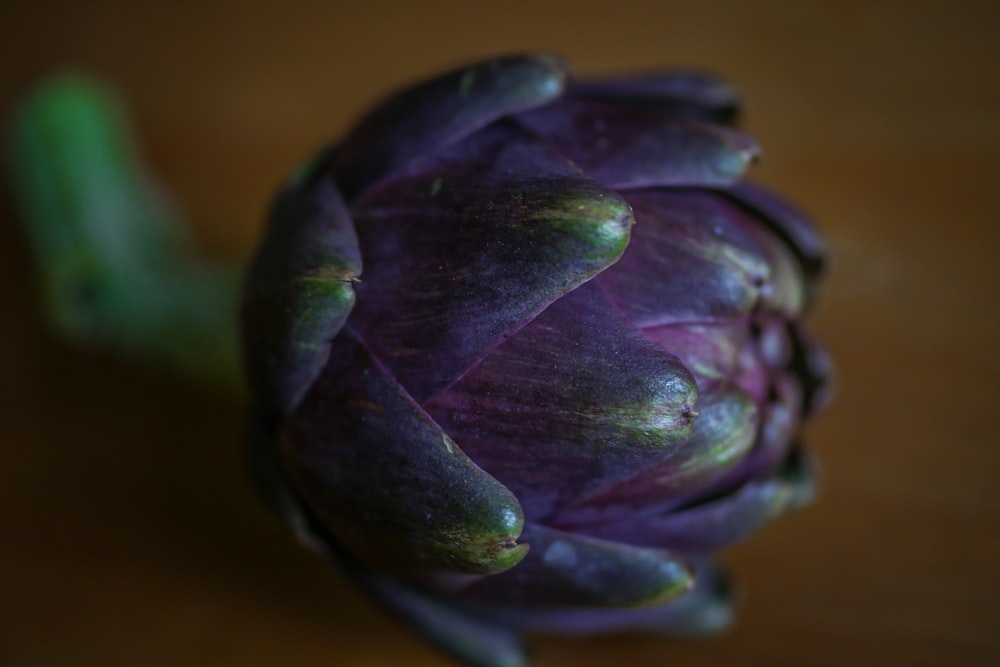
(525, 351)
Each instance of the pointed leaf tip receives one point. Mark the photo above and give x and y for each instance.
(387, 482)
(299, 291)
(433, 115)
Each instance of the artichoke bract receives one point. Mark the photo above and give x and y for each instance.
(525, 351)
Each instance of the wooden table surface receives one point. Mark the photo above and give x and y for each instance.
(128, 535)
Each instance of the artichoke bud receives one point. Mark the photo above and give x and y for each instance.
(526, 351)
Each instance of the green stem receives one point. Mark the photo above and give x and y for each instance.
(116, 266)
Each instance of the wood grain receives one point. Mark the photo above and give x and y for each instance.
(129, 535)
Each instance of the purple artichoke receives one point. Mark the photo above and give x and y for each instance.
(525, 352)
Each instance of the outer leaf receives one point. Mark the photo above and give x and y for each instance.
(705, 610)
(720, 521)
(428, 117)
(564, 569)
(575, 400)
(723, 434)
(788, 222)
(467, 249)
(299, 291)
(781, 421)
(393, 488)
(710, 351)
(627, 148)
(689, 261)
(688, 95)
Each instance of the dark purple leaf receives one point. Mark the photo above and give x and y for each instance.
(429, 116)
(723, 433)
(299, 291)
(566, 569)
(719, 521)
(392, 487)
(791, 224)
(463, 252)
(780, 420)
(574, 401)
(695, 257)
(628, 148)
(694, 95)
(689, 261)
(703, 611)
(710, 351)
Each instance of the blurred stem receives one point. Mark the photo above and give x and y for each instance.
(116, 266)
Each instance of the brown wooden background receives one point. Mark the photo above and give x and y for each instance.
(127, 533)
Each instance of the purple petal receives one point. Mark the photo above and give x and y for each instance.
(705, 610)
(723, 433)
(573, 401)
(299, 291)
(465, 251)
(392, 487)
(690, 260)
(429, 116)
(712, 524)
(791, 224)
(689, 95)
(627, 148)
(565, 569)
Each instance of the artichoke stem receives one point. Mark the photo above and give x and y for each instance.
(116, 267)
